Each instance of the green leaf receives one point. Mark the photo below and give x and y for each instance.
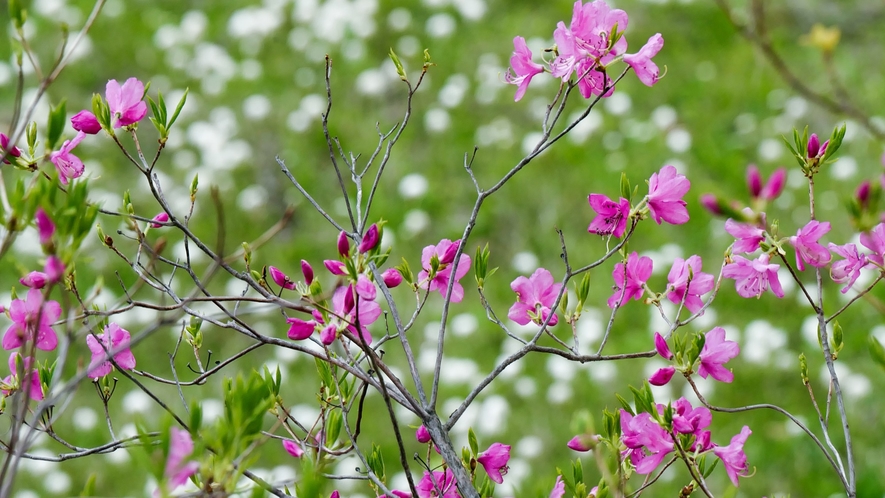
(625, 186)
(178, 109)
(399, 65)
(471, 440)
(877, 351)
(89, 488)
(56, 125)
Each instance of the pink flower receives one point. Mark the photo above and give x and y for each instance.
(370, 239)
(25, 314)
(662, 348)
(300, 329)
(440, 281)
(68, 165)
(682, 290)
(177, 470)
(281, 278)
(647, 442)
(160, 219)
(291, 446)
(86, 122)
(874, 240)
(365, 288)
(45, 226)
(494, 461)
(847, 270)
(32, 377)
(716, 352)
(431, 485)
(6, 150)
(335, 267)
(638, 272)
(113, 339)
(534, 298)
(662, 376)
(558, 488)
(645, 69)
(665, 191)
(307, 271)
(34, 280)
(815, 149)
(748, 236)
(125, 102)
(54, 269)
(345, 315)
(733, 457)
(523, 67)
(752, 278)
(422, 435)
(392, 277)
(808, 250)
(688, 420)
(611, 217)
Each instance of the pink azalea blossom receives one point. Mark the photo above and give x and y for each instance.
(645, 69)
(716, 352)
(494, 461)
(638, 271)
(534, 298)
(753, 277)
(611, 217)
(125, 102)
(160, 219)
(523, 67)
(281, 278)
(114, 338)
(748, 236)
(45, 226)
(177, 470)
(439, 484)
(662, 348)
(733, 457)
(32, 377)
(815, 149)
(370, 239)
(24, 314)
(86, 122)
(440, 281)
(647, 442)
(68, 165)
(808, 250)
(293, 448)
(681, 289)
(392, 277)
(847, 270)
(690, 420)
(365, 288)
(422, 435)
(665, 191)
(558, 488)
(874, 240)
(662, 376)
(345, 315)
(35, 280)
(307, 271)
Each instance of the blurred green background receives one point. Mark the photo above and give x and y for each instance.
(255, 73)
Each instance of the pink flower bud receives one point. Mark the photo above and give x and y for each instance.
(327, 335)
(307, 271)
(45, 226)
(335, 267)
(343, 244)
(754, 180)
(281, 278)
(422, 435)
(159, 219)
(449, 255)
(292, 448)
(349, 300)
(711, 204)
(392, 277)
(300, 329)
(662, 376)
(86, 122)
(54, 269)
(8, 150)
(370, 239)
(863, 193)
(579, 443)
(813, 145)
(336, 495)
(662, 348)
(775, 185)
(35, 280)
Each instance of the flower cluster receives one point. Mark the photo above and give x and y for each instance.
(585, 49)
(708, 362)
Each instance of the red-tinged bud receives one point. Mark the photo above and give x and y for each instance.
(711, 204)
(370, 239)
(159, 220)
(449, 255)
(662, 376)
(392, 277)
(343, 244)
(307, 271)
(754, 181)
(45, 226)
(813, 145)
(662, 348)
(581, 442)
(86, 122)
(35, 280)
(775, 185)
(422, 435)
(281, 278)
(863, 193)
(54, 269)
(335, 267)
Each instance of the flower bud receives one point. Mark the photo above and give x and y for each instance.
(307, 271)
(711, 203)
(349, 299)
(327, 335)
(54, 269)
(813, 145)
(159, 219)
(370, 239)
(863, 193)
(86, 122)
(12, 151)
(662, 348)
(754, 181)
(662, 376)
(581, 443)
(300, 329)
(392, 278)
(449, 255)
(422, 435)
(775, 185)
(343, 244)
(281, 278)
(35, 280)
(335, 267)
(292, 448)
(45, 226)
